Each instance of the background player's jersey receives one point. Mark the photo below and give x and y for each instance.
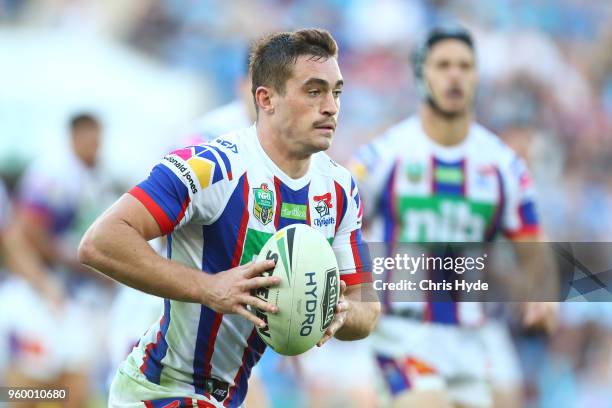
(65, 194)
(219, 203)
(425, 192)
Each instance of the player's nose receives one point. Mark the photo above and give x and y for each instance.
(329, 105)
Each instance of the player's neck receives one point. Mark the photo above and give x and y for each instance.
(273, 146)
(442, 129)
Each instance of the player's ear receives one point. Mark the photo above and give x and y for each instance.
(263, 99)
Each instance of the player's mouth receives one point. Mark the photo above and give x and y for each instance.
(454, 93)
(328, 127)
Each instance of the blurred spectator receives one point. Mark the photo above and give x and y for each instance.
(53, 306)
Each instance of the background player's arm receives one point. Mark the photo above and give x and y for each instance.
(32, 230)
(539, 277)
(116, 245)
(22, 259)
(538, 264)
(34, 227)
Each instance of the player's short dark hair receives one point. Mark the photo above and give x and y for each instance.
(82, 119)
(434, 36)
(272, 57)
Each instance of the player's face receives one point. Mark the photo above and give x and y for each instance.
(450, 72)
(86, 142)
(307, 114)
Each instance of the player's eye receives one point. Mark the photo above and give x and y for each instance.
(443, 64)
(314, 92)
(337, 93)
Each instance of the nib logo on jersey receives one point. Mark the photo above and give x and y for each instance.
(263, 204)
(322, 205)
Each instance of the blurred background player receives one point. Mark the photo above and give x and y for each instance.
(440, 177)
(53, 306)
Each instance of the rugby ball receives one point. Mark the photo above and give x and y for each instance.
(308, 292)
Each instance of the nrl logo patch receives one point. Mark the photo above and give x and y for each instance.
(414, 172)
(263, 206)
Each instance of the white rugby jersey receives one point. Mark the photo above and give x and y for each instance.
(426, 192)
(219, 203)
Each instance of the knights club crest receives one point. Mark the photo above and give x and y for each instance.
(263, 205)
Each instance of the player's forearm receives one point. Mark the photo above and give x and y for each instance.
(540, 273)
(21, 258)
(118, 251)
(361, 320)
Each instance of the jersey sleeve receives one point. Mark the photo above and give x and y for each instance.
(187, 185)
(520, 216)
(351, 251)
(371, 167)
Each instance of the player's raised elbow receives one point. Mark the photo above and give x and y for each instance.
(89, 251)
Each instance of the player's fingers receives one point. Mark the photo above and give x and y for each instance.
(342, 287)
(323, 340)
(261, 282)
(258, 303)
(257, 268)
(337, 323)
(241, 310)
(342, 306)
(245, 267)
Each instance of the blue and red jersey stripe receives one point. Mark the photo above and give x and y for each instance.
(218, 255)
(164, 196)
(252, 353)
(154, 352)
(341, 204)
(286, 195)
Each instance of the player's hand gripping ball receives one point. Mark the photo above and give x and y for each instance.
(308, 292)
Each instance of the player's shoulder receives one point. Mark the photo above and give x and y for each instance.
(491, 145)
(386, 148)
(209, 163)
(405, 127)
(325, 166)
(392, 140)
(56, 169)
(397, 134)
